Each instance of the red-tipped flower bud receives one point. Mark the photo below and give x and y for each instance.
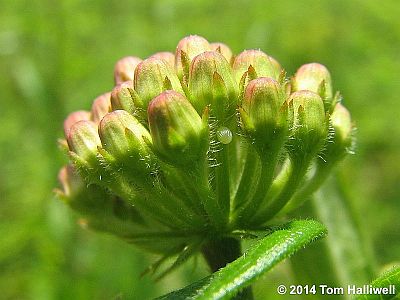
(121, 97)
(100, 107)
(211, 81)
(83, 140)
(99, 207)
(152, 77)
(179, 135)
(73, 118)
(310, 123)
(313, 77)
(264, 65)
(70, 181)
(264, 116)
(168, 57)
(223, 49)
(343, 130)
(191, 46)
(124, 69)
(122, 136)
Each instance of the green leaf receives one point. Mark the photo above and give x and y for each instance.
(392, 277)
(268, 252)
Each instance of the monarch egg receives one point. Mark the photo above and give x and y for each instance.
(224, 135)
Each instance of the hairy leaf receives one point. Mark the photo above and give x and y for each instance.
(392, 277)
(268, 252)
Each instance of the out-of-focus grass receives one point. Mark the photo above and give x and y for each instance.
(56, 56)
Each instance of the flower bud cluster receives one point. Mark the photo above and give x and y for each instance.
(201, 141)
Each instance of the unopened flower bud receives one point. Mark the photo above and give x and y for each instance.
(70, 181)
(77, 193)
(153, 76)
(310, 123)
(264, 116)
(313, 77)
(73, 118)
(264, 65)
(100, 107)
(343, 130)
(83, 140)
(179, 135)
(121, 97)
(187, 49)
(125, 69)
(122, 136)
(211, 80)
(101, 210)
(223, 49)
(168, 57)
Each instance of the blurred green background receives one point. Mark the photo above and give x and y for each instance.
(57, 56)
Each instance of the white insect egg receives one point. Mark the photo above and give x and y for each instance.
(224, 135)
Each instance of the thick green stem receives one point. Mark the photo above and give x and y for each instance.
(220, 252)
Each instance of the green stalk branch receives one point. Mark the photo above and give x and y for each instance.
(296, 172)
(247, 180)
(222, 180)
(268, 165)
(318, 178)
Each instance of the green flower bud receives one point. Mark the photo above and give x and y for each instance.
(223, 49)
(264, 113)
(310, 123)
(123, 137)
(264, 65)
(341, 122)
(73, 118)
(187, 49)
(168, 57)
(83, 140)
(101, 106)
(122, 98)
(342, 140)
(211, 81)
(313, 77)
(124, 69)
(179, 135)
(152, 77)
